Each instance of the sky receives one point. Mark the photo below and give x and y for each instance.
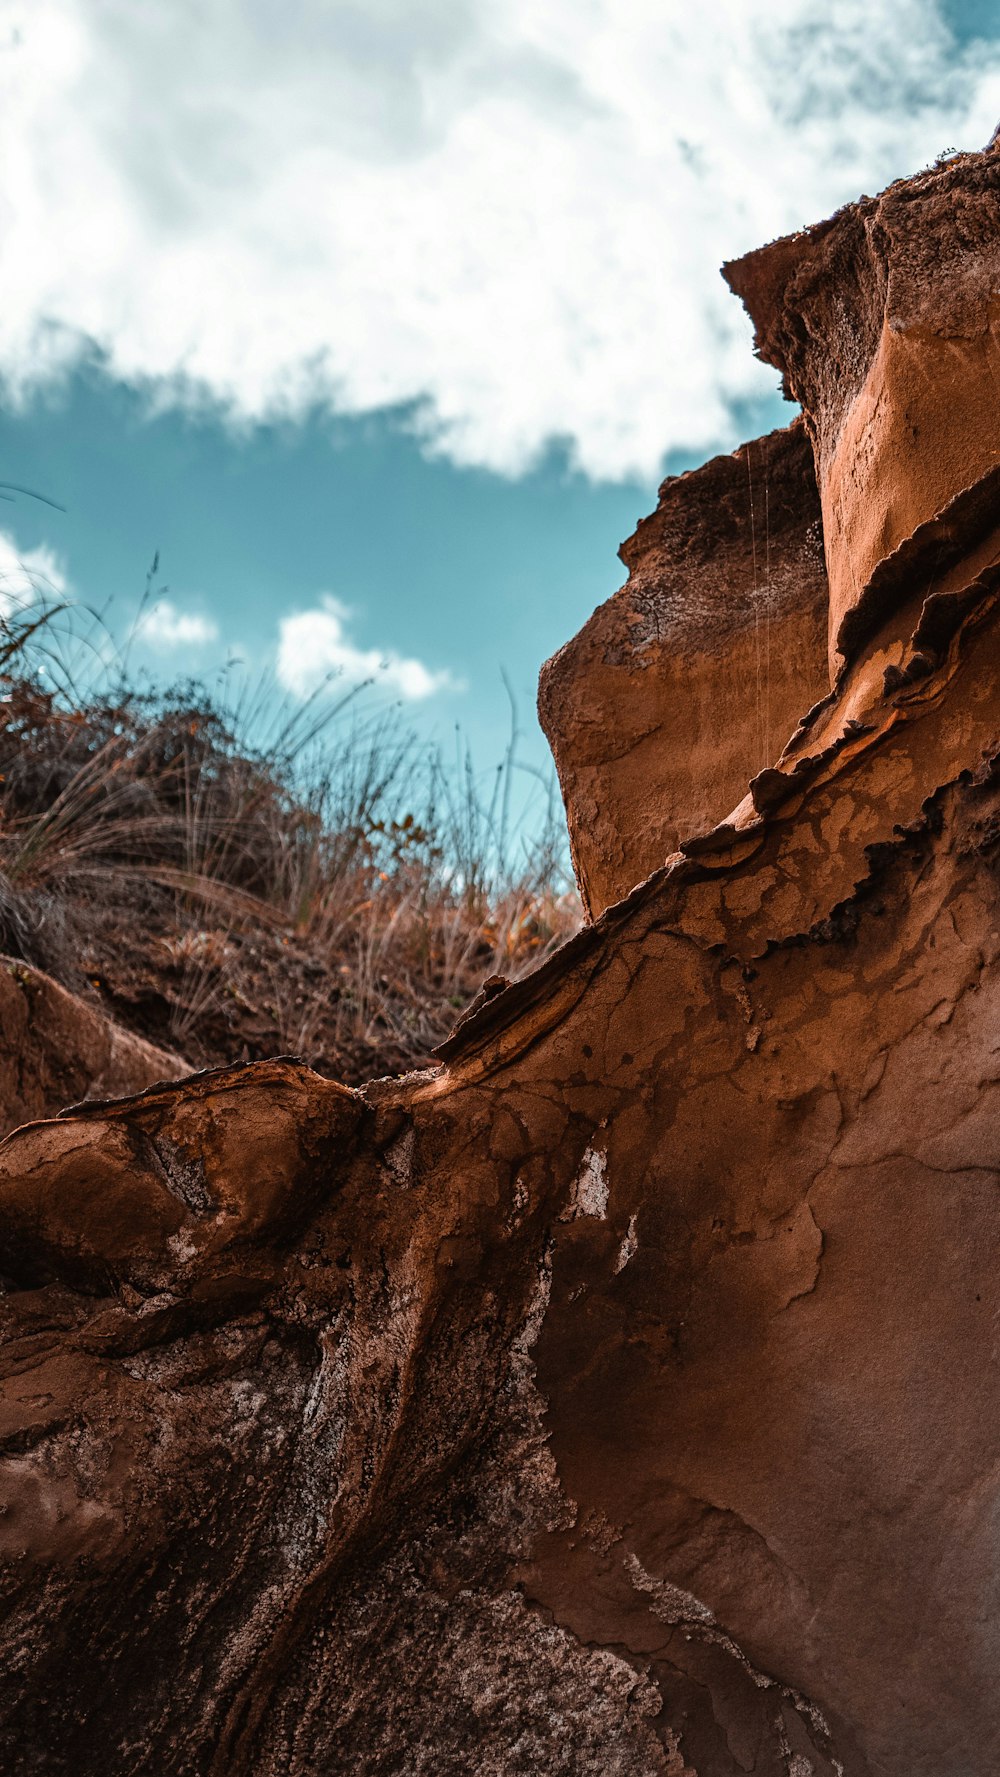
(379, 322)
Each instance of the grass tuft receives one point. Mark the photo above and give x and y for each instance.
(235, 876)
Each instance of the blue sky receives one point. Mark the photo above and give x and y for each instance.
(381, 323)
(466, 570)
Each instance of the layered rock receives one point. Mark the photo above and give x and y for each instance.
(692, 677)
(616, 1397)
(885, 322)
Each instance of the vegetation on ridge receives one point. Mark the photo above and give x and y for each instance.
(331, 890)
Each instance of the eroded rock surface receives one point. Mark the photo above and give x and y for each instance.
(885, 322)
(619, 1396)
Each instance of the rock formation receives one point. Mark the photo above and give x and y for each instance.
(57, 1049)
(618, 1396)
(884, 323)
(690, 680)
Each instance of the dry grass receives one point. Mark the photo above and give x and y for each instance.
(242, 878)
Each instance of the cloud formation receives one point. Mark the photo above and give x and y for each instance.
(507, 216)
(164, 627)
(28, 574)
(313, 647)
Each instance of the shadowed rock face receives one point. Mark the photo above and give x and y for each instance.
(57, 1049)
(618, 1396)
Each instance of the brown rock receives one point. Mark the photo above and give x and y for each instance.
(57, 1048)
(691, 678)
(885, 322)
(617, 1397)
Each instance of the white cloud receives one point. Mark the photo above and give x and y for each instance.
(27, 574)
(312, 647)
(509, 214)
(164, 627)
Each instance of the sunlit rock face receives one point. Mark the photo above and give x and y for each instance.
(618, 1396)
(885, 322)
(691, 678)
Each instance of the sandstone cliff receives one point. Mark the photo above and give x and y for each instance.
(693, 676)
(619, 1395)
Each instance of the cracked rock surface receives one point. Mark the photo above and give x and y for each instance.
(619, 1396)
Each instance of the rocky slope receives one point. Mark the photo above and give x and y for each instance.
(619, 1394)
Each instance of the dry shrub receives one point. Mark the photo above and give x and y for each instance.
(242, 876)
